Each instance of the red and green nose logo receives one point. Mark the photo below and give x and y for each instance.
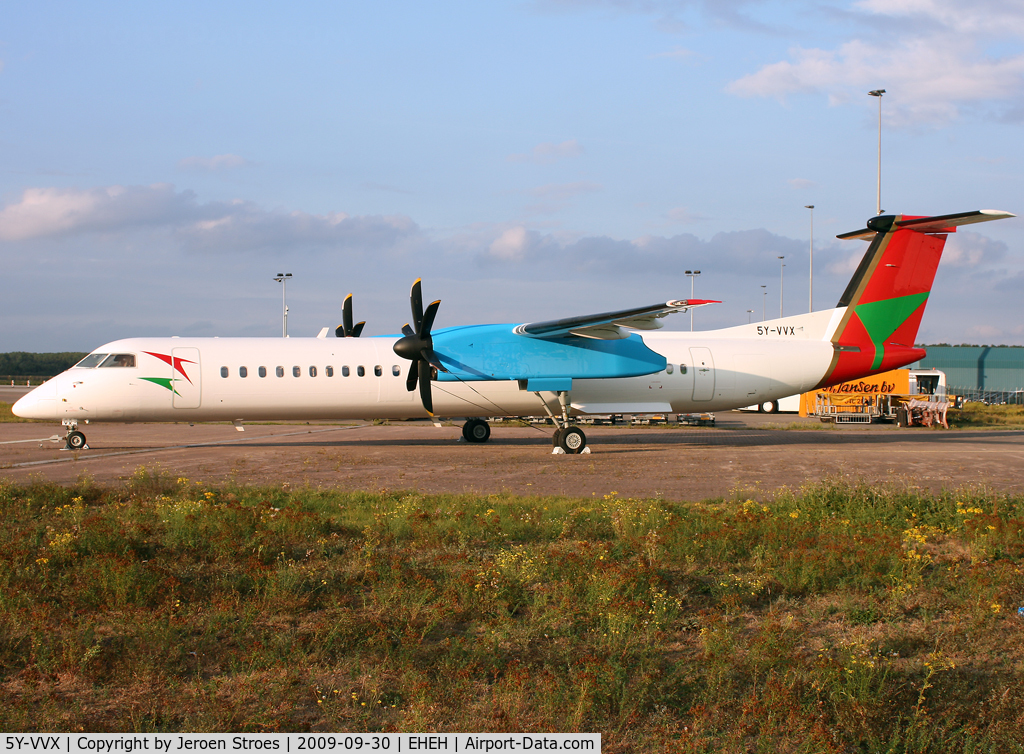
(176, 364)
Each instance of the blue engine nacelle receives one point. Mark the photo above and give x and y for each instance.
(496, 352)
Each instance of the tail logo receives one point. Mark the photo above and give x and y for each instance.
(883, 318)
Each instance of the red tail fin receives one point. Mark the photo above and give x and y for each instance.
(885, 300)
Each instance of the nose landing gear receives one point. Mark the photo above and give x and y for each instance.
(74, 440)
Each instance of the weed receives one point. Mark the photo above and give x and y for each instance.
(839, 617)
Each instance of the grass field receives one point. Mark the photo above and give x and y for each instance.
(7, 416)
(979, 415)
(840, 618)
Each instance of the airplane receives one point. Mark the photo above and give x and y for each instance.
(613, 362)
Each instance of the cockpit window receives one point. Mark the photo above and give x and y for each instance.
(90, 361)
(119, 360)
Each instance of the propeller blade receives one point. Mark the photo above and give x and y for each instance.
(358, 329)
(417, 346)
(428, 320)
(339, 331)
(424, 374)
(346, 315)
(428, 355)
(416, 298)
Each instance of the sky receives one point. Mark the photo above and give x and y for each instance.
(529, 160)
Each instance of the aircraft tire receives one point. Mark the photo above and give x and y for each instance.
(76, 440)
(572, 440)
(557, 437)
(768, 407)
(476, 430)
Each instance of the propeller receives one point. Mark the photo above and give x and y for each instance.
(418, 346)
(346, 329)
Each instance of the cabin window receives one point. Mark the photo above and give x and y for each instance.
(361, 371)
(396, 370)
(668, 369)
(243, 371)
(263, 371)
(280, 371)
(119, 360)
(345, 372)
(90, 361)
(330, 371)
(312, 371)
(296, 371)
(223, 371)
(377, 371)
(682, 369)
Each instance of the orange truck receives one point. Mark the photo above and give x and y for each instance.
(908, 397)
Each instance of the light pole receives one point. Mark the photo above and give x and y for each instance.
(750, 313)
(764, 303)
(810, 285)
(878, 93)
(782, 288)
(282, 278)
(691, 274)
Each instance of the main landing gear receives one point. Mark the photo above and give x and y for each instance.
(567, 438)
(570, 440)
(74, 440)
(476, 430)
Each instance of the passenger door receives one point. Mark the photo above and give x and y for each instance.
(703, 374)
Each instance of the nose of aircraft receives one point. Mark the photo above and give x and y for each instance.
(40, 403)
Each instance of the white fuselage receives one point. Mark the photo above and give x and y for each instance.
(362, 378)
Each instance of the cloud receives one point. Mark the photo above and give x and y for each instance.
(513, 244)
(993, 17)
(548, 153)
(684, 216)
(801, 183)
(213, 164)
(967, 249)
(56, 212)
(563, 191)
(214, 226)
(937, 55)
(371, 186)
(676, 53)
(667, 12)
(746, 253)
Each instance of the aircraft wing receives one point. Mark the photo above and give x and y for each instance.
(610, 325)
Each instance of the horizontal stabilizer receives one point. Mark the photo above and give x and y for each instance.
(937, 224)
(609, 325)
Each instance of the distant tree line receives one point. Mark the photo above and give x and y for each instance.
(24, 364)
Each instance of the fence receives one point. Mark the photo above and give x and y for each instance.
(988, 397)
(20, 379)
